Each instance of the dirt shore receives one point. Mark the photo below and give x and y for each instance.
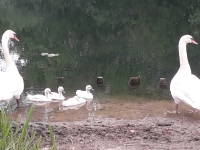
(156, 133)
(145, 126)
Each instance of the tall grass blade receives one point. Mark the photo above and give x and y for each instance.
(22, 135)
(52, 138)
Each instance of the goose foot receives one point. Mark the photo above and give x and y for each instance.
(172, 112)
(48, 110)
(18, 103)
(193, 111)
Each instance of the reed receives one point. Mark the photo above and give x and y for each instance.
(15, 137)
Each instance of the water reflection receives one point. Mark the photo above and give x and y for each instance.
(91, 105)
(20, 62)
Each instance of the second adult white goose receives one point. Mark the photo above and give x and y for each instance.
(85, 94)
(185, 87)
(58, 96)
(11, 82)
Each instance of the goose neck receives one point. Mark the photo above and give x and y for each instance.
(88, 91)
(9, 62)
(47, 96)
(184, 64)
(60, 94)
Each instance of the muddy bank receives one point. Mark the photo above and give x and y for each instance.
(145, 125)
(117, 134)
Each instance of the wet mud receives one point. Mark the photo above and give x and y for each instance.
(118, 126)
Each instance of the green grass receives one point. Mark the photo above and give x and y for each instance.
(19, 138)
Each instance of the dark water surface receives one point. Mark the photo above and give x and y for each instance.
(113, 39)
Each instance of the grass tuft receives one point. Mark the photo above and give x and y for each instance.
(17, 137)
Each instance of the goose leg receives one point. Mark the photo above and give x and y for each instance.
(18, 102)
(60, 105)
(176, 108)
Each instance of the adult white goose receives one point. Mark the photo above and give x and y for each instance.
(58, 96)
(85, 94)
(185, 87)
(11, 82)
(73, 103)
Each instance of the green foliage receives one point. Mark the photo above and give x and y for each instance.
(15, 137)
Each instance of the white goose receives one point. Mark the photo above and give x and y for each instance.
(11, 82)
(185, 87)
(73, 103)
(85, 94)
(58, 96)
(39, 99)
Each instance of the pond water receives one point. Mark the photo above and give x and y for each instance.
(115, 40)
(114, 109)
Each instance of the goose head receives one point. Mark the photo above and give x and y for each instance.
(188, 39)
(9, 34)
(47, 91)
(89, 87)
(61, 89)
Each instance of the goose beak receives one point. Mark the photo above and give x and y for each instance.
(92, 89)
(193, 41)
(15, 37)
(63, 91)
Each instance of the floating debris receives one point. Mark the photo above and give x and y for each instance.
(133, 81)
(163, 81)
(44, 54)
(99, 80)
(53, 55)
(61, 79)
